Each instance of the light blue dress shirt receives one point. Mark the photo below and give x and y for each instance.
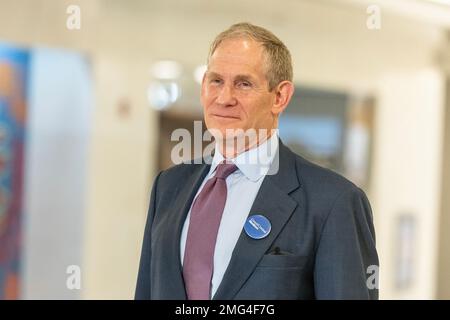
(242, 188)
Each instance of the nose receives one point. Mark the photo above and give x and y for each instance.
(226, 96)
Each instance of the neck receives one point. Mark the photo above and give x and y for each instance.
(231, 148)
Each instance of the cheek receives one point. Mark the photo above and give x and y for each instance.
(208, 94)
(203, 101)
(256, 108)
(204, 96)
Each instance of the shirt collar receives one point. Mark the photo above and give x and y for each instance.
(253, 163)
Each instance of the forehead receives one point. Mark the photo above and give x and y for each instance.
(238, 56)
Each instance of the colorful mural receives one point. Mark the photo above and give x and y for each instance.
(13, 87)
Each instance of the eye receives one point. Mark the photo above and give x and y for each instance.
(215, 81)
(244, 84)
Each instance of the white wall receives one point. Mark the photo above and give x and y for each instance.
(59, 118)
(407, 175)
(121, 172)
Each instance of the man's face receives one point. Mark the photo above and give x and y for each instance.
(235, 92)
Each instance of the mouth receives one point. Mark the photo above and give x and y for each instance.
(225, 116)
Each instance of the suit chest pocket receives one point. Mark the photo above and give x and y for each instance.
(279, 277)
(281, 261)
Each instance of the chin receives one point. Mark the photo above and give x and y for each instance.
(219, 132)
(222, 125)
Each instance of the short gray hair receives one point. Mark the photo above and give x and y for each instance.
(279, 58)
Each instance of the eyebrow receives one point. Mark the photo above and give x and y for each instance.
(245, 77)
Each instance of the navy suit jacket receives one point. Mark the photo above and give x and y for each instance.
(321, 245)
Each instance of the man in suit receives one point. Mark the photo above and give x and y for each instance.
(258, 222)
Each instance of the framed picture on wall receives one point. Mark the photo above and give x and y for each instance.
(331, 129)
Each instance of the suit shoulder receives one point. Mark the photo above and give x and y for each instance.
(324, 180)
(179, 172)
(324, 188)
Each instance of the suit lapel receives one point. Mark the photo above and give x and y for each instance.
(273, 202)
(185, 196)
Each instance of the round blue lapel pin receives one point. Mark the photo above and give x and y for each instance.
(257, 226)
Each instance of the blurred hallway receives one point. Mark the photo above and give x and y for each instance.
(371, 103)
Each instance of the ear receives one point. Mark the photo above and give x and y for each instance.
(283, 94)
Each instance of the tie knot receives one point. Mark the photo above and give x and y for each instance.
(225, 169)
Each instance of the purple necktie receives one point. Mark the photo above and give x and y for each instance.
(204, 222)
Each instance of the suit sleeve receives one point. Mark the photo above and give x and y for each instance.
(346, 262)
(143, 286)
